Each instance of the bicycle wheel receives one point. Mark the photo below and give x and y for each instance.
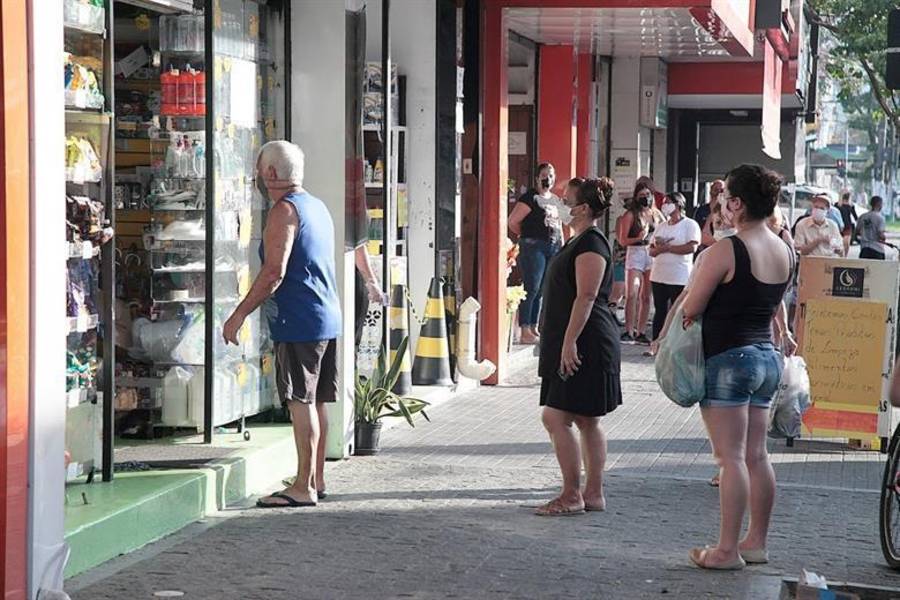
(889, 517)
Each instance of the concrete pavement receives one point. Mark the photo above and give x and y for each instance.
(446, 512)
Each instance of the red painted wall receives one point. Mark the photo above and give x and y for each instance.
(723, 78)
(494, 171)
(583, 146)
(14, 299)
(556, 105)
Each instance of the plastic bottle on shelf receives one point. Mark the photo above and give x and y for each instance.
(370, 173)
(169, 82)
(186, 96)
(172, 157)
(378, 176)
(186, 159)
(175, 396)
(198, 167)
(199, 93)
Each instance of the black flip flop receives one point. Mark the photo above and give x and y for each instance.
(322, 495)
(289, 502)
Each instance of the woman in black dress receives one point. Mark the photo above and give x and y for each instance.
(580, 358)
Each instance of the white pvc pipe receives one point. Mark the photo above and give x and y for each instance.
(465, 353)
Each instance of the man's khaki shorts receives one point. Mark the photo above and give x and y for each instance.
(306, 371)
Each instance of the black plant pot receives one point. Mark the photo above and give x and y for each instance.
(366, 438)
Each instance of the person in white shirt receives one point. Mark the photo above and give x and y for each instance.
(817, 235)
(672, 247)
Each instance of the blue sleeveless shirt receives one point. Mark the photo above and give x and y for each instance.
(305, 307)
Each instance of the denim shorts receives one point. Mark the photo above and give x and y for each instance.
(741, 376)
(637, 258)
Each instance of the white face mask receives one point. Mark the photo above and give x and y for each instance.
(721, 234)
(819, 214)
(668, 209)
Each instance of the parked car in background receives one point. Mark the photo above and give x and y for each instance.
(804, 196)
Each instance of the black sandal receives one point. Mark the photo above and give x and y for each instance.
(289, 502)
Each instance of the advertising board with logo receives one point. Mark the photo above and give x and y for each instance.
(846, 327)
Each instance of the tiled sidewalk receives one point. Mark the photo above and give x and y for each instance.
(648, 436)
(446, 512)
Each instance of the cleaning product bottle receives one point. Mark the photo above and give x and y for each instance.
(199, 164)
(172, 159)
(379, 171)
(186, 91)
(200, 93)
(186, 158)
(169, 82)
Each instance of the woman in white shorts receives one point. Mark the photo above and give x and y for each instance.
(635, 229)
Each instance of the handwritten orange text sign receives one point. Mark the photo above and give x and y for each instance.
(843, 346)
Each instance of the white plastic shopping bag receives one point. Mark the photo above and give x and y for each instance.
(791, 401)
(680, 364)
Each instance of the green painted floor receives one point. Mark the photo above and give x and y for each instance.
(105, 520)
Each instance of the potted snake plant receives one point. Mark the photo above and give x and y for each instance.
(374, 400)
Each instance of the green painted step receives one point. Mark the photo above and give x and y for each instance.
(141, 507)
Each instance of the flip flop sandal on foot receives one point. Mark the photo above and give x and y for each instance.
(760, 556)
(698, 557)
(555, 508)
(288, 502)
(594, 507)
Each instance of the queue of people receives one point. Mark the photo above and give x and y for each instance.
(737, 286)
(733, 272)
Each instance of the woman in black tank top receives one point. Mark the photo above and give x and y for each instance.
(737, 304)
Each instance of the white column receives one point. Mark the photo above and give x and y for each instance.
(627, 142)
(47, 472)
(413, 27)
(413, 24)
(318, 38)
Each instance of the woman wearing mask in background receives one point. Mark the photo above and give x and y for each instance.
(580, 355)
(535, 218)
(672, 249)
(703, 213)
(637, 225)
(737, 289)
(719, 225)
(645, 182)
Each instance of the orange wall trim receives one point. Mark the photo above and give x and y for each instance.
(14, 298)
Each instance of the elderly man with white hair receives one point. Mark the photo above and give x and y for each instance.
(298, 285)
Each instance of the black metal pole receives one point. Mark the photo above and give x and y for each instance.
(209, 304)
(288, 65)
(387, 198)
(108, 266)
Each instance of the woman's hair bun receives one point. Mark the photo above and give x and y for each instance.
(758, 188)
(598, 194)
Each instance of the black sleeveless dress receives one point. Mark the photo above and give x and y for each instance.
(595, 389)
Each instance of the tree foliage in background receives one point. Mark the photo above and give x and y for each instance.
(858, 56)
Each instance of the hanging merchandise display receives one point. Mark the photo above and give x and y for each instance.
(89, 232)
(87, 15)
(163, 223)
(191, 221)
(82, 86)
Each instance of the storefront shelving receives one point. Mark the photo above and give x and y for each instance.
(199, 249)
(89, 258)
